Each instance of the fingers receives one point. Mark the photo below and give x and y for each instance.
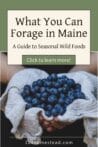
(43, 122)
(41, 118)
(50, 129)
(57, 124)
(51, 126)
(47, 126)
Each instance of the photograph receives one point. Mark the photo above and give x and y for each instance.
(48, 105)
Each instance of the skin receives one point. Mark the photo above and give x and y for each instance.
(92, 68)
(9, 70)
(53, 125)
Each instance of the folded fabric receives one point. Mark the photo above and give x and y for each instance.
(25, 122)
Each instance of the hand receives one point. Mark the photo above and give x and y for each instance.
(53, 125)
(92, 68)
(7, 70)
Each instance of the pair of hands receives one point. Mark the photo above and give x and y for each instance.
(52, 125)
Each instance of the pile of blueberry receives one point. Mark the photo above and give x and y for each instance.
(53, 94)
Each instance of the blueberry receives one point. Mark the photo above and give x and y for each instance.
(42, 89)
(47, 84)
(71, 95)
(71, 82)
(65, 88)
(77, 90)
(62, 95)
(28, 99)
(38, 95)
(44, 80)
(59, 77)
(44, 84)
(52, 84)
(61, 111)
(49, 107)
(23, 95)
(79, 95)
(68, 101)
(64, 107)
(38, 105)
(32, 91)
(52, 99)
(28, 106)
(56, 85)
(53, 76)
(27, 87)
(48, 113)
(65, 80)
(43, 99)
(64, 77)
(49, 78)
(61, 100)
(54, 112)
(57, 110)
(34, 84)
(44, 94)
(43, 106)
(78, 87)
(83, 95)
(53, 91)
(72, 98)
(36, 88)
(40, 83)
(60, 90)
(34, 102)
(57, 106)
(26, 90)
(48, 90)
(60, 82)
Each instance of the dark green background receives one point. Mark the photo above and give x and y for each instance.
(48, 5)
